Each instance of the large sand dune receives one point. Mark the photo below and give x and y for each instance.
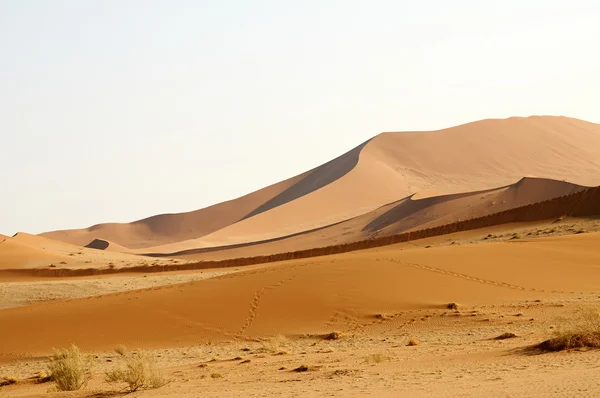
(476, 156)
(341, 292)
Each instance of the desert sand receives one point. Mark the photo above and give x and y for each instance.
(376, 298)
(496, 232)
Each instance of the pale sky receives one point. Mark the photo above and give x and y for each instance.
(115, 110)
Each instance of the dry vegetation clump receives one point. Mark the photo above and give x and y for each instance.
(452, 306)
(140, 372)
(583, 331)
(70, 369)
(412, 342)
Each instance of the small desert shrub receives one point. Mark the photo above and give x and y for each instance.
(70, 369)
(452, 306)
(216, 375)
(412, 342)
(582, 331)
(139, 373)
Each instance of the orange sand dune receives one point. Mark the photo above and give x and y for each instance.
(403, 215)
(25, 251)
(474, 156)
(340, 292)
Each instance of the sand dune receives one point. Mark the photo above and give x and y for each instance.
(25, 251)
(476, 156)
(341, 292)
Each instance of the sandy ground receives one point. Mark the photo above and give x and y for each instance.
(200, 333)
(456, 356)
(21, 293)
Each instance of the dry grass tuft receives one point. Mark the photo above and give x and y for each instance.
(452, 306)
(582, 331)
(70, 369)
(139, 373)
(216, 375)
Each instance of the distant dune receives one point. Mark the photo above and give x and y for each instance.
(477, 156)
(25, 251)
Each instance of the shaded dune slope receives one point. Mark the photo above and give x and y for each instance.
(471, 157)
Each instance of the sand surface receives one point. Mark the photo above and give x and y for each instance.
(377, 298)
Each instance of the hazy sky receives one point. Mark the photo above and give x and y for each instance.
(118, 110)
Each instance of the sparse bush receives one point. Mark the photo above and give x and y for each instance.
(582, 331)
(139, 373)
(70, 369)
(452, 306)
(216, 375)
